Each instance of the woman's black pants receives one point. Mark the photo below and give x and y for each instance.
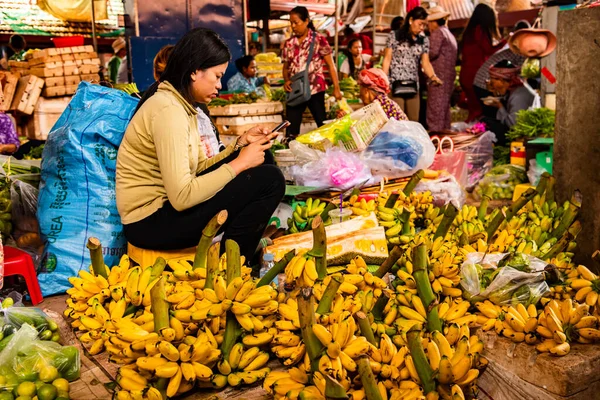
(316, 105)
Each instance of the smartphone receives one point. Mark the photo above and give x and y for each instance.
(281, 126)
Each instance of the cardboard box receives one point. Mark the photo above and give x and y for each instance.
(47, 72)
(49, 65)
(9, 87)
(45, 53)
(27, 94)
(91, 61)
(72, 80)
(44, 60)
(64, 50)
(67, 57)
(83, 49)
(54, 91)
(83, 56)
(71, 89)
(90, 78)
(55, 81)
(71, 70)
(89, 69)
(46, 113)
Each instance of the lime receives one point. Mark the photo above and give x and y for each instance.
(46, 335)
(24, 398)
(61, 384)
(7, 302)
(48, 373)
(47, 392)
(52, 325)
(26, 389)
(63, 394)
(6, 396)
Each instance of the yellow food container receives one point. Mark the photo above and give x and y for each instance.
(517, 154)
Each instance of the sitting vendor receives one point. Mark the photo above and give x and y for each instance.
(167, 188)
(513, 96)
(246, 80)
(374, 86)
(9, 141)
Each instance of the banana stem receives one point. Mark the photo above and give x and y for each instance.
(463, 239)
(379, 306)
(319, 249)
(208, 234)
(444, 227)
(158, 268)
(413, 182)
(95, 247)
(368, 379)
(333, 389)
(405, 218)
(277, 269)
(391, 201)
(424, 370)
(212, 265)
(565, 222)
(234, 270)
(424, 289)
(325, 214)
(365, 328)
(389, 262)
(550, 190)
(159, 305)
(234, 265)
(325, 303)
(558, 247)
(511, 212)
(543, 183)
(476, 237)
(485, 200)
(306, 314)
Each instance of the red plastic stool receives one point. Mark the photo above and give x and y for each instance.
(18, 262)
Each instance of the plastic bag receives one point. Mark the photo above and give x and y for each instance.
(502, 179)
(18, 316)
(24, 199)
(535, 172)
(399, 149)
(480, 158)
(77, 193)
(335, 168)
(332, 132)
(444, 190)
(24, 357)
(455, 163)
(504, 278)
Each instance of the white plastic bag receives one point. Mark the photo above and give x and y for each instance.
(481, 279)
(399, 149)
(534, 173)
(444, 190)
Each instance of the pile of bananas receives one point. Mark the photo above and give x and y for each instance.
(361, 207)
(303, 216)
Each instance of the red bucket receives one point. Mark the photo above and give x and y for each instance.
(68, 41)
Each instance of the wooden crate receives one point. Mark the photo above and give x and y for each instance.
(44, 60)
(89, 69)
(54, 91)
(71, 89)
(239, 125)
(83, 49)
(27, 94)
(46, 113)
(45, 53)
(47, 72)
(91, 61)
(18, 64)
(67, 57)
(55, 81)
(72, 80)
(260, 108)
(71, 70)
(8, 89)
(84, 56)
(90, 77)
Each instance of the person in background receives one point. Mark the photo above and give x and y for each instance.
(514, 95)
(396, 23)
(442, 53)
(246, 80)
(114, 64)
(167, 189)
(160, 61)
(17, 44)
(9, 140)
(374, 86)
(254, 48)
(355, 60)
(478, 44)
(480, 85)
(294, 56)
(406, 52)
(365, 40)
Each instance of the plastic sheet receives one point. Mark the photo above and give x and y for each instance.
(534, 173)
(480, 158)
(504, 278)
(455, 163)
(502, 179)
(399, 149)
(77, 195)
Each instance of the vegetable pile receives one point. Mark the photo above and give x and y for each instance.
(238, 98)
(349, 88)
(531, 68)
(533, 123)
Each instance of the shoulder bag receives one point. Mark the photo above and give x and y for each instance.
(300, 83)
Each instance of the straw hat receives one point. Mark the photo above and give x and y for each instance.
(436, 13)
(532, 42)
(118, 44)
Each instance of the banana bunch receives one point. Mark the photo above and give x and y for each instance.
(302, 216)
(421, 202)
(563, 323)
(456, 312)
(466, 214)
(361, 207)
(517, 323)
(287, 343)
(242, 366)
(402, 312)
(302, 270)
(388, 362)
(293, 384)
(135, 386)
(358, 275)
(586, 285)
(394, 220)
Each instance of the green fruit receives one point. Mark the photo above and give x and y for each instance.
(46, 335)
(55, 337)
(26, 389)
(7, 302)
(48, 373)
(47, 392)
(61, 384)
(53, 326)
(24, 398)
(6, 396)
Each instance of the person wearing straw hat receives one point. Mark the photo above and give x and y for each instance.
(512, 96)
(443, 51)
(119, 48)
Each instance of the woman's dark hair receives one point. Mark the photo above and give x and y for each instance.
(483, 17)
(198, 50)
(349, 55)
(302, 13)
(243, 62)
(397, 23)
(404, 34)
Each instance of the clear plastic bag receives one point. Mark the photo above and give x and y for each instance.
(444, 190)
(335, 169)
(18, 316)
(502, 179)
(480, 157)
(503, 278)
(24, 199)
(534, 173)
(25, 357)
(399, 149)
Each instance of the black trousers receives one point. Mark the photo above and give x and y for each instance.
(250, 200)
(316, 105)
